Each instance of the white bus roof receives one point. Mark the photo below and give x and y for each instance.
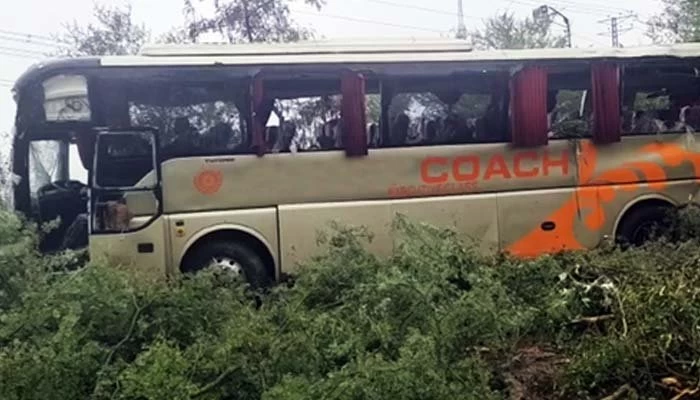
(360, 46)
(382, 51)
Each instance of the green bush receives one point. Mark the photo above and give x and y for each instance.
(436, 320)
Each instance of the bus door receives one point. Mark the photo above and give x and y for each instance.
(126, 202)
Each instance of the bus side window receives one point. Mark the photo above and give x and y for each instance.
(305, 115)
(191, 119)
(76, 169)
(47, 164)
(569, 104)
(446, 110)
(306, 124)
(659, 100)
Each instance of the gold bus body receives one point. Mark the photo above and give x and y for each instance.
(568, 195)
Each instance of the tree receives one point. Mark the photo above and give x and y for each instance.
(177, 35)
(250, 21)
(679, 22)
(114, 33)
(504, 31)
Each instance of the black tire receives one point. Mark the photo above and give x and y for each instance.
(643, 224)
(254, 271)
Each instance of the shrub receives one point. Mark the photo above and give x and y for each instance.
(436, 320)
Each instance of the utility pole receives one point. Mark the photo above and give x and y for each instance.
(615, 30)
(546, 12)
(461, 28)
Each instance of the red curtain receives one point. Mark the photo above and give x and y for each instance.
(605, 79)
(354, 116)
(258, 120)
(528, 95)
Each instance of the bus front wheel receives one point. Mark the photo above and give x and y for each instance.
(230, 257)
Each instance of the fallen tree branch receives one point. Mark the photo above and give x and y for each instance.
(623, 390)
(214, 384)
(132, 328)
(592, 320)
(686, 392)
(622, 311)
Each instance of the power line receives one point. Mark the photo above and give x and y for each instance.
(27, 41)
(591, 5)
(370, 21)
(420, 8)
(542, 8)
(547, 13)
(9, 32)
(588, 8)
(33, 36)
(23, 51)
(589, 38)
(615, 29)
(569, 7)
(18, 55)
(454, 14)
(430, 10)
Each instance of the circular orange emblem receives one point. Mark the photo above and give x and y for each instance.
(208, 181)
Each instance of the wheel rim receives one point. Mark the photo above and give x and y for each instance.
(227, 265)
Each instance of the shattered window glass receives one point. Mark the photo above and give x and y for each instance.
(470, 109)
(66, 98)
(191, 120)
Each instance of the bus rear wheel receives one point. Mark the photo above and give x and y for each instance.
(232, 258)
(645, 224)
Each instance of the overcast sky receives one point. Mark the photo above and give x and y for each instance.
(339, 19)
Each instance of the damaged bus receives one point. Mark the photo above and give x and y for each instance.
(236, 156)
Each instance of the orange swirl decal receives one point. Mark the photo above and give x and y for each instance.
(594, 191)
(208, 181)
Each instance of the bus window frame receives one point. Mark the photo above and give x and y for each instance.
(635, 78)
(392, 85)
(95, 189)
(237, 95)
(117, 132)
(280, 85)
(573, 78)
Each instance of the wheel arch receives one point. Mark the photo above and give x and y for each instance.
(650, 200)
(232, 233)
